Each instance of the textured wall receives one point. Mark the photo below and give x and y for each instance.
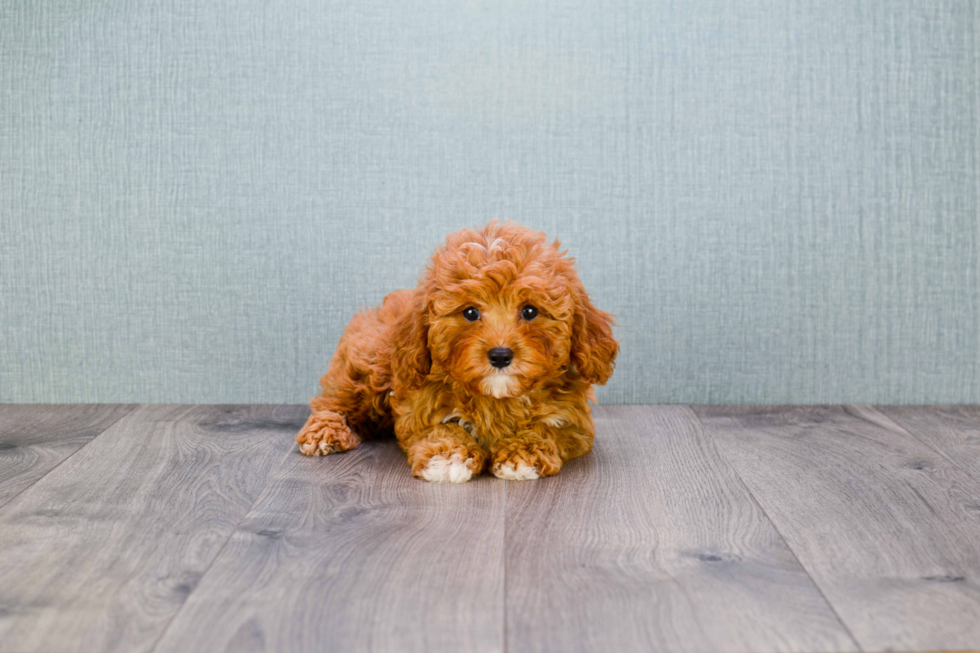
(779, 199)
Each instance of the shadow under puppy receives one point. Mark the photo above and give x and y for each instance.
(489, 362)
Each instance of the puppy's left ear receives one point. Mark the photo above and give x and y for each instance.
(593, 347)
(410, 361)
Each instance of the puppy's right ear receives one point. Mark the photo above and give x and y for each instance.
(410, 360)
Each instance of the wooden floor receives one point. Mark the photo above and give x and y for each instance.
(201, 528)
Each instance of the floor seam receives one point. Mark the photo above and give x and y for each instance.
(224, 545)
(782, 537)
(504, 571)
(133, 408)
(936, 450)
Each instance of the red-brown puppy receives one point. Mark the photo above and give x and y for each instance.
(490, 361)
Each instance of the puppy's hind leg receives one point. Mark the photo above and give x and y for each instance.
(355, 390)
(325, 432)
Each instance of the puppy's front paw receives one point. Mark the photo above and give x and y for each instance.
(519, 471)
(446, 459)
(326, 432)
(453, 469)
(526, 461)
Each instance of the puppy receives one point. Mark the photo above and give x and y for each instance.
(489, 362)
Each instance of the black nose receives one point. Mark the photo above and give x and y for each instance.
(500, 357)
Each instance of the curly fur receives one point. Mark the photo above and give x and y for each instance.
(416, 367)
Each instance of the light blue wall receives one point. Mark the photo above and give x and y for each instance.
(779, 199)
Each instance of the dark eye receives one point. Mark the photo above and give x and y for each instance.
(471, 314)
(529, 312)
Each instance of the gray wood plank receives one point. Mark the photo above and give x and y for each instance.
(651, 543)
(888, 529)
(36, 438)
(101, 553)
(953, 431)
(351, 553)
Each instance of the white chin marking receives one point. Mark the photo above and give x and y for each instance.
(447, 470)
(499, 385)
(522, 472)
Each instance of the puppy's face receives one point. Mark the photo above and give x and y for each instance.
(500, 342)
(506, 311)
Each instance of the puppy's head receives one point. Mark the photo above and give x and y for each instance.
(500, 311)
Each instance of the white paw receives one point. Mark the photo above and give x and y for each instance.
(447, 470)
(318, 448)
(522, 472)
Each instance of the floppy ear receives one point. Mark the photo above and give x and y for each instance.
(410, 360)
(593, 347)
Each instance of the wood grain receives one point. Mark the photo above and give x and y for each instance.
(887, 528)
(952, 431)
(351, 553)
(101, 553)
(201, 529)
(36, 438)
(651, 543)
